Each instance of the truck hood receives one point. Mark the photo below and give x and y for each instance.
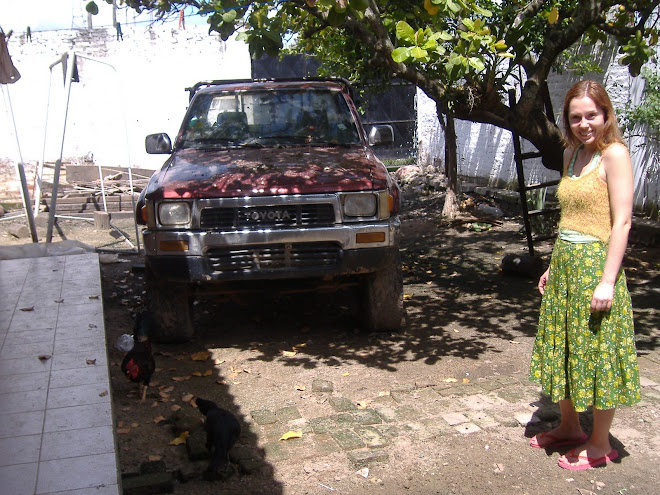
(235, 172)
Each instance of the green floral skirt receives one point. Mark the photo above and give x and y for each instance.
(589, 358)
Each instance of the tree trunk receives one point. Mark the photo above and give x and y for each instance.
(451, 208)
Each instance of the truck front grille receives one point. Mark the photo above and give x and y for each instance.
(274, 217)
(275, 256)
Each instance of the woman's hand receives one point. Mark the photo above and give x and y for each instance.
(602, 298)
(543, 280)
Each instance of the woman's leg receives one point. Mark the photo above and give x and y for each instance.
(598, 444)
(569, 427)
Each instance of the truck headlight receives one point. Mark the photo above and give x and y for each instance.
(360, 205)
(174, 213)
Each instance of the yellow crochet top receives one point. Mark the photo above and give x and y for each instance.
(585, 203)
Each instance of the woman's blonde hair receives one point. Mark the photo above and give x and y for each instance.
(611, 133)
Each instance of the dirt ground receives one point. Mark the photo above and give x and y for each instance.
(466, 322)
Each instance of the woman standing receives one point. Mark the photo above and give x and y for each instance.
(584, 354)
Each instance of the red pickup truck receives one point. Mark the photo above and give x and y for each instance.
(270, 184)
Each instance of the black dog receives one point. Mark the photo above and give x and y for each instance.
(222, 432)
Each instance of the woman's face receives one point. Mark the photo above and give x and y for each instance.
(586, 119)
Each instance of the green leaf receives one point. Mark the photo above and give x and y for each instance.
(229, 16)
(401, 54)
(336, 17)
(418, 53)
(476, 63)
(92, 8)
(405, 32)
(359, 5)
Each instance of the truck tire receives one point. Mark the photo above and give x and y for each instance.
(171, 305)
(382, 298)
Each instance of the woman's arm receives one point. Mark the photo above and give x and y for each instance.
(617, 172)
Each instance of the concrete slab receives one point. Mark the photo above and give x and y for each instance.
(56, 427)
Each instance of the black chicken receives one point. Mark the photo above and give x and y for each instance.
(139, 364)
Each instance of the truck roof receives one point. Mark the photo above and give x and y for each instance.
(247, 84)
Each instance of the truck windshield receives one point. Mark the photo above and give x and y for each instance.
(280, 117)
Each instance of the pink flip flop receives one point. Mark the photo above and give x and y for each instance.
(555, 441)
(584, 461)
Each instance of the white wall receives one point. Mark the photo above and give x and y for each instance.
(485, 152)
(137, 89)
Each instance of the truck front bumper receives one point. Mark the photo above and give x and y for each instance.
(207, 256)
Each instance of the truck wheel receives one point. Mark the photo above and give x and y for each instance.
(171, 305)
(382, 298)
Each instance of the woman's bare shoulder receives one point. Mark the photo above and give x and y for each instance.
(616, 151)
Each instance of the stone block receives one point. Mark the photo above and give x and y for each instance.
(286, 414)
(148, 484)
(365, 458)
(466, 428)
(367, 417)
(101, 220)
(264, 417)
(19, 231)
(324, 444)
(341, 404)
(454, 419)
(372, 437)
(196, 446)
(322, 386)
(151, 467)
(276, 451)
(347, 439)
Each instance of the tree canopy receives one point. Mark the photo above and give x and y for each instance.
(464, 54)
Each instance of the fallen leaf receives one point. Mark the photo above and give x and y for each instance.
(187, 397)
(31, 308)
(103, 394)
(134, 425)
(175, 408)
(345, 374)
(208, 373)
(196, 373)
(302, 388)
(155, 457)
(180, 378)
(450, 380)
(289, 353)
(466, 380)
(200, 356)
(180, 357)
(44, 357)
(59, 301)
(166, 389)
(513, 342)
(123, 431)
(181, 439)
(384, 393)
(159, 419)
(91, 361)
(407, 296)
(291, 434)
(363, 404)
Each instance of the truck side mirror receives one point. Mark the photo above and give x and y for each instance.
(158, 144)
(381, 134)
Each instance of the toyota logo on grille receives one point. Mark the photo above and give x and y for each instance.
(258, 216)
